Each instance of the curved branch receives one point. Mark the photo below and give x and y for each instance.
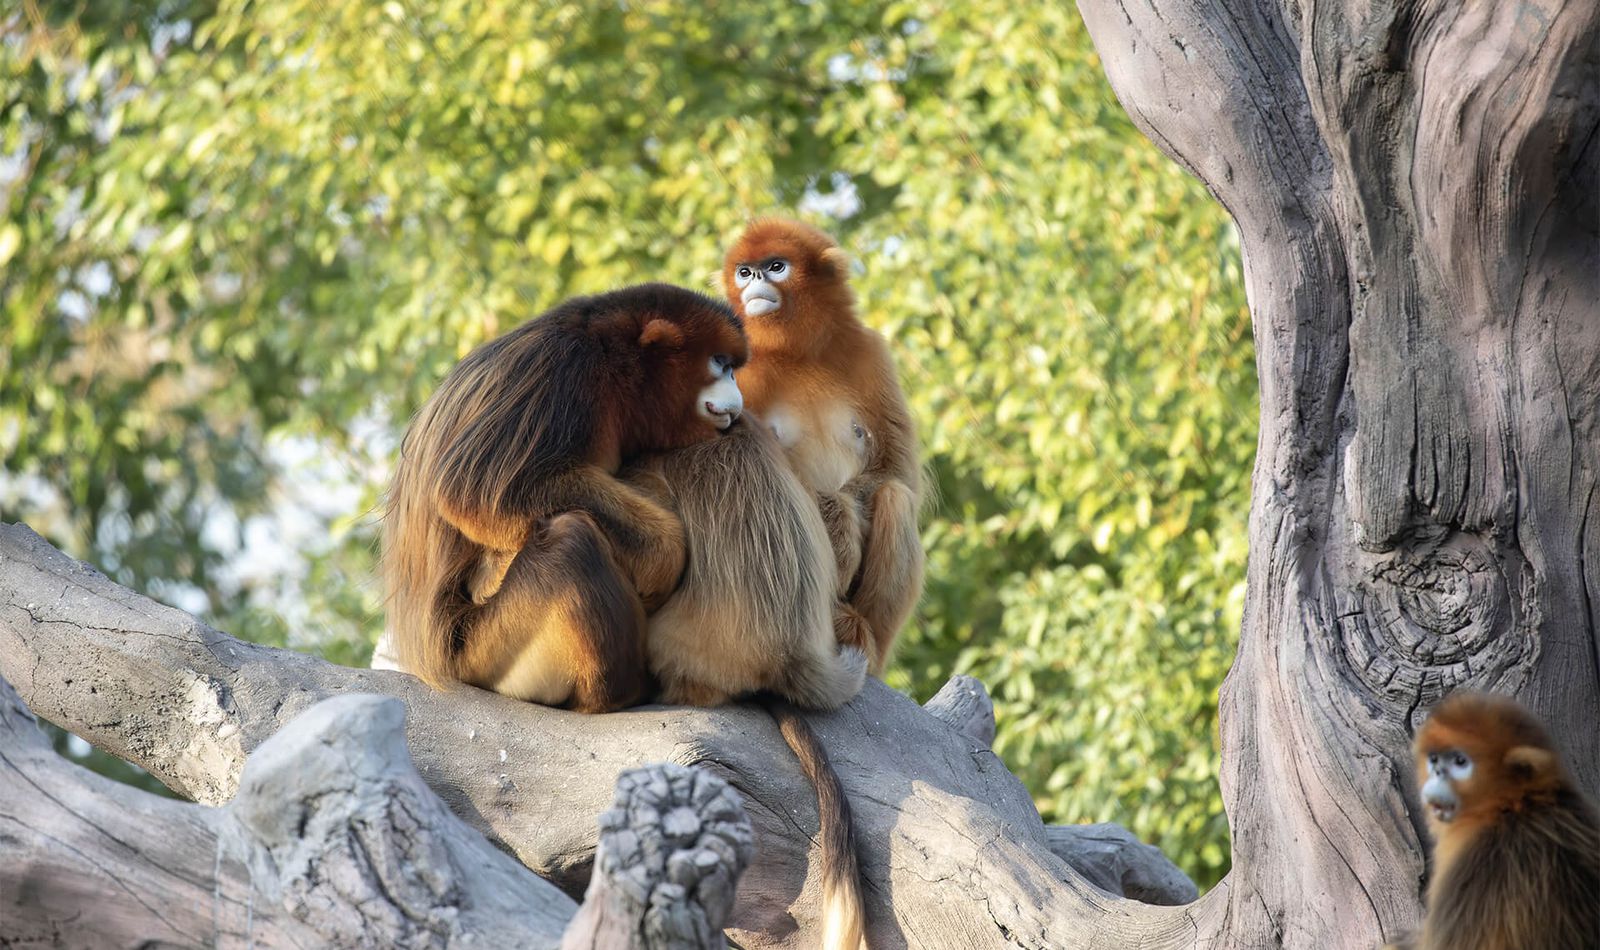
(954, 852)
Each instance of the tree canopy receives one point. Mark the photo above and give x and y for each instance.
(240, 243)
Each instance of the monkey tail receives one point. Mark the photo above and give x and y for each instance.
(843, 918)
(824, 679)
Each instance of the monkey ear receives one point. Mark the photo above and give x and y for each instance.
(660, 332)
(1530, 762)
(836, 258)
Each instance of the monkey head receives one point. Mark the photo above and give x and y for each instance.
(689, 347)
(785, 274)
(1480, 754)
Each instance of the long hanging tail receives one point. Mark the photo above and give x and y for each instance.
(843, 919)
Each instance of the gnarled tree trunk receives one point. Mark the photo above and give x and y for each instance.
(1415, 187)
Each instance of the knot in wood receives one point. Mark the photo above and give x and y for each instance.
(1435, 613)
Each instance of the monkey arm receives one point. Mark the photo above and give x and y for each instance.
(500, 535)
(647, 538)
(889, 582)
(890, 579)
(484, 526)
(841, 513)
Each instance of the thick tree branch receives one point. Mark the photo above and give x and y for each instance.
(333, 839)
(954, 853)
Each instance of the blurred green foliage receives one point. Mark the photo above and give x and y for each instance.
(241, 241)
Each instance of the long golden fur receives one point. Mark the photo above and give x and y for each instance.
(535, 518)
(514, 559)
(816, 372)
(1516, 862)
(754, 609)
(754, 614)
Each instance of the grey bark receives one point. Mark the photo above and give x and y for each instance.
(953, 851)
(1112, 859)
(332, 840)
(1415, 188)
(965, 706)
(672, 848)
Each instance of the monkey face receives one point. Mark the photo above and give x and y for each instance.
(1478, 752)
(687, 393)
(720, 401)
(1446, 771)
(758, 282)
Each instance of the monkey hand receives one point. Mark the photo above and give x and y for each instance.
(851, 630)
(657, 564)
(489, 575)
(842, 515)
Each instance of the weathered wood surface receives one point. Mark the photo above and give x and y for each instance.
(954, 852)
(1415, 186)
(671, 850)
(332, 840)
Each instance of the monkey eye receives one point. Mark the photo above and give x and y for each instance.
(777, 267)
(1460, 760)
(744, 272)
(1433, 758)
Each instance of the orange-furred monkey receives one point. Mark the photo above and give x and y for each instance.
(1516, 857)
(826, 385)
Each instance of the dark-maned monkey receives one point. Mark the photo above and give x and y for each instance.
(816, 375)
(514, 558)
(754, 614)
(1516, 858)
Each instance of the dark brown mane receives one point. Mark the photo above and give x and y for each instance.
(511, 432)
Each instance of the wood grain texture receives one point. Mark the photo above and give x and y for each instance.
(332, 840)
(1415, 187)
